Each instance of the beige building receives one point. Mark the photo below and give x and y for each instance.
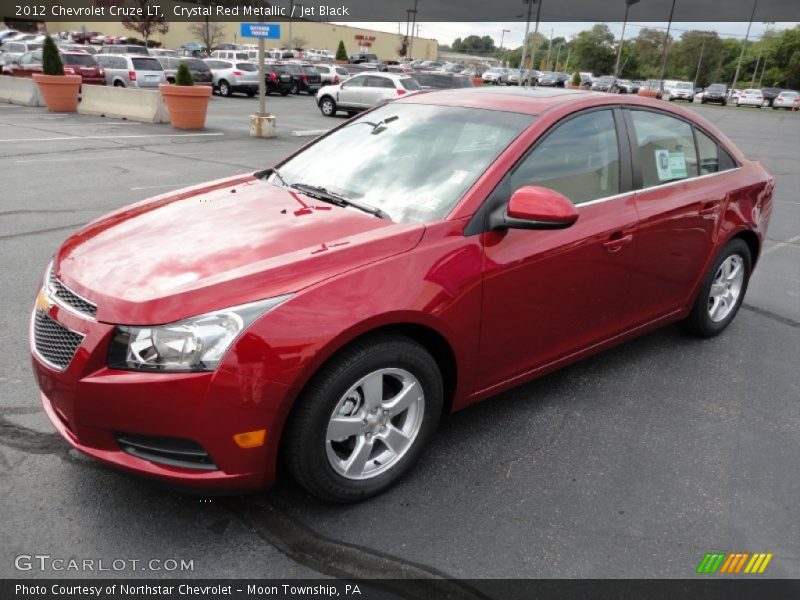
(320, 36)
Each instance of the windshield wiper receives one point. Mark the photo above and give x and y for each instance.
(376, 127)
(321, 193)
(275, 172)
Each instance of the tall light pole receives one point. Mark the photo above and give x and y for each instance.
(628, 4)
(550, 48)
(530, 4)
(503, 32)
(666, 43)
(758, 60)
(744, 45)
(700, 60)
(558, 55)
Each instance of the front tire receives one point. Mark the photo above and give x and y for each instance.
(327, 106)
(722, 291)
(364, 419)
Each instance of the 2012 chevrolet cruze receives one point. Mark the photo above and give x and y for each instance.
(413, 261)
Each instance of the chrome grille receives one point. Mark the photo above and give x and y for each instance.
(53, 342)
(68, 298)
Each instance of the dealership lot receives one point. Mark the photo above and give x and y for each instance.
(633, 463)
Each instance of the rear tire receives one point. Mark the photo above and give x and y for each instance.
(386, 387)
(224, 88)
(722, 291)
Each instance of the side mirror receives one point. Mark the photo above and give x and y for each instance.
(533, 207)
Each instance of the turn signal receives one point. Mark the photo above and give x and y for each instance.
(250, 439)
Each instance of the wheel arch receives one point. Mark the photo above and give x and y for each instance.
(753, 243)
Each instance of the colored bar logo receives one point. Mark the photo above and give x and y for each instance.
(734, 563)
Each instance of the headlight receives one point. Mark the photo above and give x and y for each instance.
(194, 344)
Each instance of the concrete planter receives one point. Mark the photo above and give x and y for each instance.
(187, 104)
(60, 92)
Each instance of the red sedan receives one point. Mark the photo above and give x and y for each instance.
(75, 63)
(413, 261)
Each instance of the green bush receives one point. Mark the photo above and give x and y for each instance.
(341, 51)
(576, 78)
(183, 76)
(51, 59)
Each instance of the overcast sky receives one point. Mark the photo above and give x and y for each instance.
(445, 33)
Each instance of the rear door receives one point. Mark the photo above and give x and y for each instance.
(377, 89)
(679, 171)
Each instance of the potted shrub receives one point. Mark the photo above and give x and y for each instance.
(59, 91)
(187, 103)
(575, 84)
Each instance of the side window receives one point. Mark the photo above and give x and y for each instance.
(24, 59)
(708, 154)
(579, 159)
(354, 82)
(665, 146)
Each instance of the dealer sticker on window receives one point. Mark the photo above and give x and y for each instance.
(670, 165)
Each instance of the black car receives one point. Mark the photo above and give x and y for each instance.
(716, 93)
(305, 78)
(553, 79)
(440, 81)
(363, 57)
(770, 93)
(198, 68)
(607, 83)
(278, 78)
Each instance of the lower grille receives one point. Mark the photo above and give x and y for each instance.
(53, 342)
(174, 452)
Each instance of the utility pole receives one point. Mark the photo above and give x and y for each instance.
(566, 64)
(666, 43)
(549, 48)
(413, 23)
(699, 62)
(525, 38)
(744, 45)
(558, 55)
(628, 4)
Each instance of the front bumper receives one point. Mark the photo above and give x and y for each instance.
(91, 406)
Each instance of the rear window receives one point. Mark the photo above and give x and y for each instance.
(246, 66)
(716, 88)
(135, 49)
(78, 59)
(146, 64)
(32, 47)
(410, 84)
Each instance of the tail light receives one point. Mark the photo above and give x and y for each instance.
(102, 72)
(238, 74)
(132, 75)
(304, 77)
(69, 70)
(335, 79)
(272, 75)
(400, 91)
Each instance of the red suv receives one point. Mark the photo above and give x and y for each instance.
(75, 63)
(415, 260)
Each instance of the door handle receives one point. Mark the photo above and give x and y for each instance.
(617, 241)
(710, 208)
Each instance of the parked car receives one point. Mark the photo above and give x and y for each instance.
(124, 49)
(126, 70)
(332, 74)
(716, 93)
(8, 34)
(230, 54)
(162, 52)
(495, 76)
(30, 63)
(626, 86)
(440, 80)
(788, 100)
(553, 79)
(305, 78)
(197, 67)
(749, 97)
(680, 90)
(229, 77)
(331, 311)
(363, 91)
(606, 83)
(362, 57)
(278, 78)
(11, 51)
(650, 88)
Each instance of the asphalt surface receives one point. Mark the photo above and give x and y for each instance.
(634, 463)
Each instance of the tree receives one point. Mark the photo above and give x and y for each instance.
(341, 51)
(144, 24)
(183, 76)
(648, 46)
(474, 45)
(593, 50)
(297, 43)
(685, 55)
(209, 33)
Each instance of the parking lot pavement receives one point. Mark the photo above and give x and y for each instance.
(631, 464)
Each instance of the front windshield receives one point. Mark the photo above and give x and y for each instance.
(413, 161)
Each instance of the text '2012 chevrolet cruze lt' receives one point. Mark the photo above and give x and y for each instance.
(424, 256)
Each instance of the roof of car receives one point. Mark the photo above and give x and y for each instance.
(532, 101)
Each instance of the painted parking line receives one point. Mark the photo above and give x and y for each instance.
(308, 132)
(779, 245)
(153, 187)
(110, 137)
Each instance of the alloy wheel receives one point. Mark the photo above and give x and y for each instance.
(726, 288)
(375, 423)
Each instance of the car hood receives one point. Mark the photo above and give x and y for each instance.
(220, 244)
